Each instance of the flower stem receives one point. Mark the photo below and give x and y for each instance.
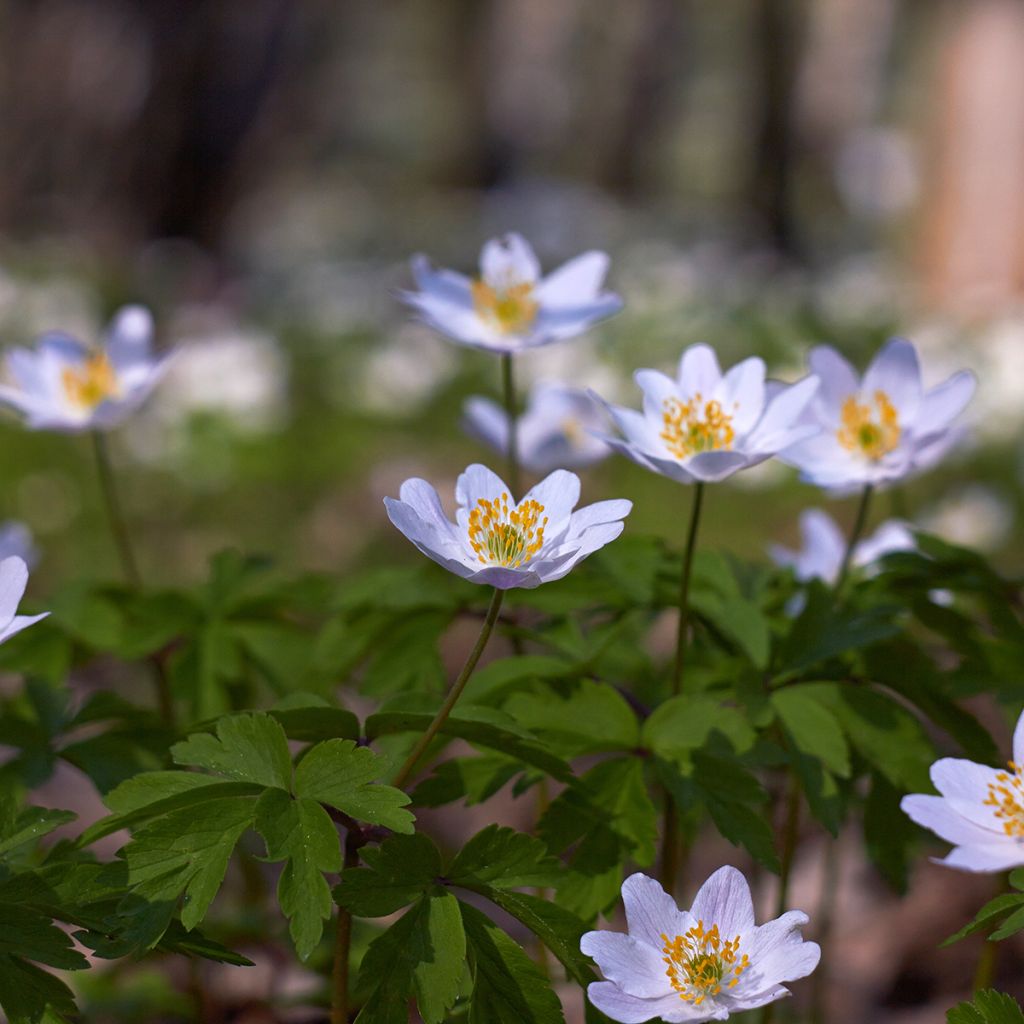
(790, 835)
(343, 946)
(855, 534)
(454, 693)
(508, 387)
(671, 853)
(122, 540)
(112, 502)
(679, 666)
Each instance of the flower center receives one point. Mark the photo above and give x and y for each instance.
(503, 536)
(510, 308)
(1006, 798)
(700, 963)
(695, 426)
(91, 383)
(871, 428)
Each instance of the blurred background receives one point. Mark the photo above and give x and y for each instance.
(766, 174)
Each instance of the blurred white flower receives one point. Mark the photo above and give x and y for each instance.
(554, 432)
(16, 541)
(13, 580)
(974, 517)
(401, 375)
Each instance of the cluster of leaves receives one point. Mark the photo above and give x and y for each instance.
(845, 700)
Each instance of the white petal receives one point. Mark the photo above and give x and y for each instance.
(965, 785)
(1018, 742)
(650, 911)
(941, 405)
(889, 537)
(824, 546)
(983, 859)
(18, 623)
(488, 421)
(698, 371)
(937, 815)
(627, 1009)
(458, 322)
(711, 467)
(556, 324)
(896, 371)
(741, 393)
(507, 261)
(773, 432)
(558, 493)
(609, 511)
(130, 338)
(427, 539)
(724, 899)
(636, 967)
(574, 283)
(476, 482)
(13, 580)
(445, 285)
(657, 390)
(595, 538)
(838, 379)
(506, 579)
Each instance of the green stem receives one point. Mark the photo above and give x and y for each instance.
(679, 667)
(343, 946)
(122, 540)
(790, 835)
(855, 534)
(112, 502)
(453, 694)
(986, 969)
(508, 387)
(671, 854)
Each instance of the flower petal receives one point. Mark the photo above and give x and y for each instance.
(574, 283)
(130, 338)
(838, 379)
(18, 623)
(983, 859)
(558, 493)
(711, 467)
(937, 815)
(476, 482)
(699, 371)
(941, 405)
(13, 580)
(965, 785)
(782, 417)
(508, 260)
(897, 372)
(627, 1009)
(636, 967)
(487, 421)
(650, 911)
(741, 393)
(724, 899)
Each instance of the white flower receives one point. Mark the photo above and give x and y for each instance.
(718, 961)
(13, 580)
(555, 431)
(63, 384)
(980, 811)
(16, 542)
(882, 427)
(704, 426)
(823, 546)
(510, 307)
(502, 544)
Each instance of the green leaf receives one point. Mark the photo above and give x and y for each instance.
(26, 932)
(495, 680)
(339, 773)
(888, 832)
(29, 995)
(592, 719)
(508, 987)
(1005, 903)
(310, 719)
(397, 872)
(250, 747)
(29, 825)
(185, 853)
(813, 728)
(715, 595)
(683, 724)
(422, 954)
(504, 859)
(300, 832)
(989, 1007)
(485, 726)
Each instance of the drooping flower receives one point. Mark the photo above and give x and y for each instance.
(510, 307)
(13, 580)
(498, 542)
(67, 385)
(706, 425)
(16, 541)
(556, 431)
(980, 810)
(823, 546)
(704, 963)
(879, 428)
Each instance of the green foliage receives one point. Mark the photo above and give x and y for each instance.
(988, 1007)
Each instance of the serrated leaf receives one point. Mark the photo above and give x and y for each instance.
(508, 987)
(26, 932)
(301, 833)
(397, 872)
(311, 719)
(504, 859)
(28, 993)
(250, 747)
(813, 728)
(339, 773)
(684, 723)
(1004, 903)
(988, 1007)
(31, 824)
(492, 682)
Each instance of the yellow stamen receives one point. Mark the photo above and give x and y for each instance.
(502, 536)
(511, 308)
(871, 428)
(701, 963)
(1007, 801)
(91, 383)
(695, 426)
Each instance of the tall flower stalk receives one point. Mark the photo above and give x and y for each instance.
(508, 390)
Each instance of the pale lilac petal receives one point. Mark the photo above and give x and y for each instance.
(505, 578)
(476, 482)
(936, 814)
(724, 899)
(1018, 742)
(609, 511)
(941, 405)
(741, 394)
(657, 391)
(558, 493)
(635, 966)
(13, 580)
(130, 338)
(488, 421)
(445, 285)
(838, 379)
(889, 537)
(507, 261)
(592, 540)
(965, 785)
(699, 372)
(427, 538)
(896, 371)
(650, 911)
(774, 431)
(984, 859)
(824, 546)
(711, 467)
(627, 1009)
(18, 623)
(556, 324)
(574, 283)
